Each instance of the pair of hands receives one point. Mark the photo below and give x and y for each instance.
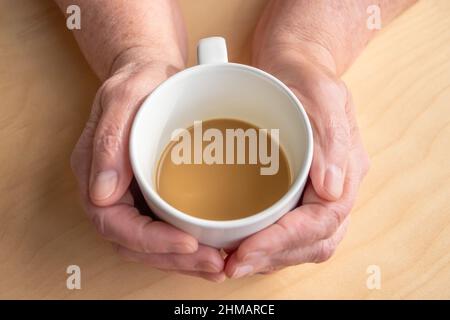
(309, 233)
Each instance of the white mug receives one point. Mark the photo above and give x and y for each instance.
(215, 89)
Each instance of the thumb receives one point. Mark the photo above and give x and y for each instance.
(326, 103)
(111, 171)
(331, 151)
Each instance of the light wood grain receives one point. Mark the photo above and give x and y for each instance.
(401, 222)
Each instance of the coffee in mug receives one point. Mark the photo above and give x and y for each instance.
(222, 169)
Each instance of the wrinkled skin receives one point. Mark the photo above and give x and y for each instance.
(312, 231)
(103, 147)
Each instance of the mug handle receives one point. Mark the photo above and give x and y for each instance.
(212, 50)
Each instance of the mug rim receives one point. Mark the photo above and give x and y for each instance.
(163, 205)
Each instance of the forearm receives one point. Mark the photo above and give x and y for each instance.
(116, 31)
(332, 31)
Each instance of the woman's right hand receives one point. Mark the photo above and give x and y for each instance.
(101, 165)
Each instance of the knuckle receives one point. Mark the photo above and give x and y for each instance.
(88, 132)
(109, 140)
(173, 262)
(353, 127)
(282, 260)
(332, 219)
(142, 242)
(325, 251)
(335, 218)
(337, 131)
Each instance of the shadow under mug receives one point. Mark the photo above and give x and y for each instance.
(216, 89)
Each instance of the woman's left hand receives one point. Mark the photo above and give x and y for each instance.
(311, 232)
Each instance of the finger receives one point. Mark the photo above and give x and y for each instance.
(357, 144)
(205, 259)
(123, 224)
(331, 151)
(298, 228)
(301, 227)
(312, 222)
(317, 252)
(326, 110)
(80, 160)
(111, 171)
(119, 101)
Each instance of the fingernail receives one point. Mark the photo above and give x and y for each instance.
(104, 185)
(207, 267)
(182, 248)
(242, 271)
(256, 255)
(334, 181)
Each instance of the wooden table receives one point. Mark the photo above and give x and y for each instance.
(401, 222)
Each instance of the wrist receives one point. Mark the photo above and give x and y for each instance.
(298, 51)
(281, 36)
(139, 56)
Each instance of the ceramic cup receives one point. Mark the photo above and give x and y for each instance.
(214, 89)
